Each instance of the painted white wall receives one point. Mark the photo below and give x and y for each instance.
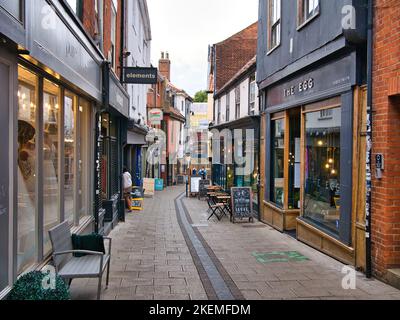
(244, 102)
(138, 43)
(244, 98)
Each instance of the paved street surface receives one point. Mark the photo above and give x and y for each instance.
(169, 251)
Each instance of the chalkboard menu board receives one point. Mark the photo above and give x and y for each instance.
(203, 188)
(242, 204)
(181, 180)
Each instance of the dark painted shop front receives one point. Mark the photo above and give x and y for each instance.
(311, 74)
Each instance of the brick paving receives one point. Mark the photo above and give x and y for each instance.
(151, 260)
(319, 277)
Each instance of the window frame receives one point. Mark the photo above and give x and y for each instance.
(85, 220)
(276, 25)
(237, 102)
(302, 18)
(252, 103)
(228, 106)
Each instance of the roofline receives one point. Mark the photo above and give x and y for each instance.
(250, 65)
(235, 34)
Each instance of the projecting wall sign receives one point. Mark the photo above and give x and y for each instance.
(135, 75)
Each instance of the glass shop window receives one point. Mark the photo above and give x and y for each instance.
(70, 102)
(294, 161)
(51, 156)
(26, 171)
(278, 162)
(322, 170)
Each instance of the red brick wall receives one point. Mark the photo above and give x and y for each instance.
(386, 138)
(89, 22)
(234, 53)
(89, 17)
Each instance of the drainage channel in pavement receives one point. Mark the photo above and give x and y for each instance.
(216, 281)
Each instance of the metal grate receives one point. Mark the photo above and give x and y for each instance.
(114, 188)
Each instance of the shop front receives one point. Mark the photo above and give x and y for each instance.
(136, 153)
(236, 155)
(313, 138)
(51, 89)
(112, 139)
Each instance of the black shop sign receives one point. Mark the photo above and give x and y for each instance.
(135, 75)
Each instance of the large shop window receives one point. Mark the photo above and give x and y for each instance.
(27, 173)
(53, 143)
(51, 157)
(322, 168)
(70, 102)
(278, 162)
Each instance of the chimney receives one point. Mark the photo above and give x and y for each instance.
(164, 66)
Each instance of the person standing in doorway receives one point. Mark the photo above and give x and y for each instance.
(127, 179)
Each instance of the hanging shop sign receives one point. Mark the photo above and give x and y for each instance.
(242, 203)
(136, 75)
(156, 116)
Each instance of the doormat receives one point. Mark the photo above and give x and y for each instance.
(284, 256)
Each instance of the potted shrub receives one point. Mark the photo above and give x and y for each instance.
(30, 287)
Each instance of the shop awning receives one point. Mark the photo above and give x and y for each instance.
(136, 138)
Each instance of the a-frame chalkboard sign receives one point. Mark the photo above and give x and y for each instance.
(242, 204)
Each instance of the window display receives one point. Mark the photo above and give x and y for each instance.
(69, 154)
(27, 175)
(322, 169)
(294, 161)
(278, 159)
(51, 154)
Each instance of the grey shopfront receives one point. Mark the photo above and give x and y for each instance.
(51, 87)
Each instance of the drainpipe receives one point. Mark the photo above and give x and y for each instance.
(368, 262)
(100, 9)
(122, 48)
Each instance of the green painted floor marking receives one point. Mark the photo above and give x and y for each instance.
(281, 256)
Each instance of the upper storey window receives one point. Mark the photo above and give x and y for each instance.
(307, 10)
(274, 25)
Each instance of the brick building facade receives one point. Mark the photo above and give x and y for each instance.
(386, 139)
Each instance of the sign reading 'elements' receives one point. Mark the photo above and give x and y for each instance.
(137, 75)
(242, 203)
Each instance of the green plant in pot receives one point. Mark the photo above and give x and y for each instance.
(36, 285)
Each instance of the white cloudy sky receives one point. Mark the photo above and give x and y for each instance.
(185, 28)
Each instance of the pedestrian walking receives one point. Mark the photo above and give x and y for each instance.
(127, 180)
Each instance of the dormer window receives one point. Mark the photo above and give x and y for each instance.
(307, 10)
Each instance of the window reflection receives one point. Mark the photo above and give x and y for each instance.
(27, 193)
(278, 160)
(322, 169)
(51, 107)
(69, 155)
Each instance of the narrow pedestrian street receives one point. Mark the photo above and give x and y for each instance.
(169, 251)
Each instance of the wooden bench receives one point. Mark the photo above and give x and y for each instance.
(68, 267)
